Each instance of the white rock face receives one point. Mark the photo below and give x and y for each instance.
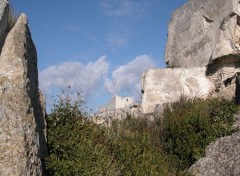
(22, 107)
(203, 34)
(202, 31)
(161, 86)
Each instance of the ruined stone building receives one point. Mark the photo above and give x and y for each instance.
(118, 102)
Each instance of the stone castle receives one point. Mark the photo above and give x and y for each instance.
(118, 102)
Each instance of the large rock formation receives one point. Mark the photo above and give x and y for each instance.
(203, 53)
(222, 158)
(202, 33)
(161, 86)
(22, 107)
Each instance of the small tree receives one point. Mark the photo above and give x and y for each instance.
(76, 146)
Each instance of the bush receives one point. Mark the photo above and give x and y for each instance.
(79, 147)
(190, 125)
(76, 147)
(135, 146)
(133, 149)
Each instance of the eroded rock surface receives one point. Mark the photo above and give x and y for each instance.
(161, 86)
(202, 34)
(202, 31)
(22, 111)
(222, 158)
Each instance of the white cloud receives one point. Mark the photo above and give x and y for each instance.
(117, 42)
(81, 77)
(122, 8)
(92, 78)
(71, 28)
(127, 77)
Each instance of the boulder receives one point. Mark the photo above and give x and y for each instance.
(162, 86)
(22, 107)
(202, 31)
(203, 47)
(222, 158)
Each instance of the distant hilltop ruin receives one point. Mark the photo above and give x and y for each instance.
(23, 145)
(117, 108)
(202, 55)
(118, 102)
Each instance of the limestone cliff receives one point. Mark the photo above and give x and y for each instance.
(204, 35)
(161, 86)
(202, 31)
(22, 107)
(203, 56)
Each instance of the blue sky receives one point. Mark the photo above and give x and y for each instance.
(100, 47)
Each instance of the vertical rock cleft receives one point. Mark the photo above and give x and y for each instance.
(4, 13)
(22, 110)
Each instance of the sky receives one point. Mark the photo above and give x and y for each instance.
(98, 47)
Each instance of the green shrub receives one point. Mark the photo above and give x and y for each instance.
(135, 146)
(133, 149)
(78, 147)
(190, 125)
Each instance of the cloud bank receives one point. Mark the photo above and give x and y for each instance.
(93, 77)
(122, 8)
(127, 77)
(81, 77)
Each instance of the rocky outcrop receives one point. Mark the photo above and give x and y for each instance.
(203, 56)
(161, 86)
(22, 107)
(202, 34)
(222, 158)
(202, 31)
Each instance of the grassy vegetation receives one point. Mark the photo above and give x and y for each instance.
(135, 146)
(190, 125)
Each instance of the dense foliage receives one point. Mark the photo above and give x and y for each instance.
(190, 125)
(135, 146)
